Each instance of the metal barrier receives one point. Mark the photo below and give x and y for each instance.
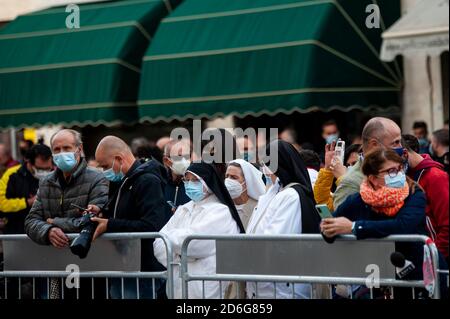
(36, 277)
(56, 278)
(186, 277)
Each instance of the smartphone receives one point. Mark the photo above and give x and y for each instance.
(339, 150)
(323, 211)
(79, 207)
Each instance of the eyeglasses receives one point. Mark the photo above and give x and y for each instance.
(392, 172)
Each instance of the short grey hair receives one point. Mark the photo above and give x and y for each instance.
(76, 135)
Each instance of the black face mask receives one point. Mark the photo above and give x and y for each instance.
(23, 151)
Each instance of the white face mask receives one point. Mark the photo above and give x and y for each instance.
(179, 167)
(40, 173)
(234, 187)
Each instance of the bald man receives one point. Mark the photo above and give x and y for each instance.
(52, 214)
(378, 132)
(136, 205)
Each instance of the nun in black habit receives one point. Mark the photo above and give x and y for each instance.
(211, 211)
(288, 207)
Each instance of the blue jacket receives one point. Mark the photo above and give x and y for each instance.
(410, 219)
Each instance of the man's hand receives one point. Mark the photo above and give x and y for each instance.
(331, 227)
(31, 200)
(57, 237)
(329, 154)
(101, 227)
(94, 209)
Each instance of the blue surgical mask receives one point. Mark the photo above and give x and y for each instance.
(194, 190)
(113, 176)
(268, 180)
(65, 161)
(423, 142)
(247, 156)
(395, 182)
(399, 151)
(331, 138)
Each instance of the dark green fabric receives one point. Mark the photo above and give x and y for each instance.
(51, 74)
(271, 56)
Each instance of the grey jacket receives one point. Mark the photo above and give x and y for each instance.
(86, 186)
(349, 184)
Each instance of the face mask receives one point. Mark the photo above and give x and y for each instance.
(65, 161)
(179, 167)
(268, 180)
(399, 151)
(113, 176)
(423, 142)
(234, 187)
(395, 182)
(265, 170)
(23, 152)
(331, 138)
(194, 190)
(430, 149)
(40, 173)
(248, 156)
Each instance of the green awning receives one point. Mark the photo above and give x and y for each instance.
(90, 75)
(245, 57)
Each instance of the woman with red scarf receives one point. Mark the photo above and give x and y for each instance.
(389, 203)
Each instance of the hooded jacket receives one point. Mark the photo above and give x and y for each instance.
(138, 205)
(430, 175)
(16, 185)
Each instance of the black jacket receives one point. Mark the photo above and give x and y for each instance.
(175, 191)
(138, 205)
(21, 184)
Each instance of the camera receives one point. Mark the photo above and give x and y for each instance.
(82, 243)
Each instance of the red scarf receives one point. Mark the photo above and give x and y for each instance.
(385, 200)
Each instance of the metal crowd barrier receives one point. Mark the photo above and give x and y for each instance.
(225, 254)
(27, 263)
(235, 257)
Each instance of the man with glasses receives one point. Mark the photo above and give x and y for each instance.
(379, 132)
(19, 185)
(52, 214)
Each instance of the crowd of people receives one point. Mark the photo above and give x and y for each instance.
(387, 184)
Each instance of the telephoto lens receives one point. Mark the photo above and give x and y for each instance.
(82, 243)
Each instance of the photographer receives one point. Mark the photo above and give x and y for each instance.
(137, 206)
(52, 214)
(72, 182)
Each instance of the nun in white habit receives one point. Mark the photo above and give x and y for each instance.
(286, 208)
(245, 185)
